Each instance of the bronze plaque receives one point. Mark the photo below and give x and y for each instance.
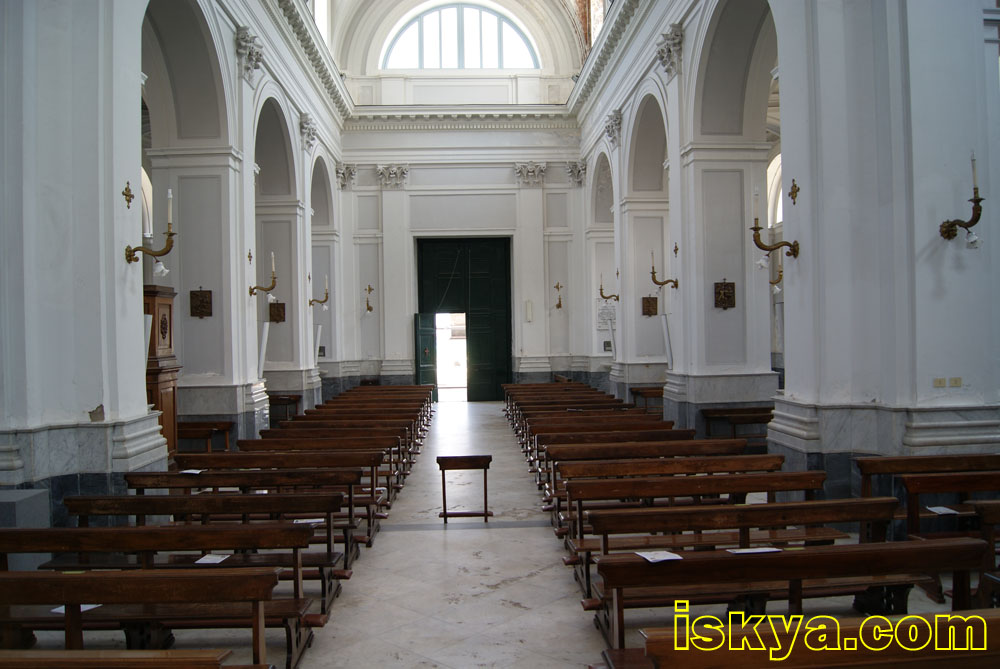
(649, 306)
(277, 312)
(201, 304)
(725, 295)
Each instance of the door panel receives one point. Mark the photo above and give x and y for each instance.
(472, 276)
(425, 345)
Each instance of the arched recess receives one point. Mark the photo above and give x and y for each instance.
(644, 227)
(324, 254)
(186, 147)
(278, 224)
(734, 58)
(601, 254)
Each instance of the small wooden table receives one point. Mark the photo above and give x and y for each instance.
(205, 430)
(646, 393)
(289, 402)
(453, 462)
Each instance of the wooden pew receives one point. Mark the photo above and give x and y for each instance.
(167, 599)
(119, 659)
(667, 649)
(321, 566)
(290, 614)
(739, 526)
(581, 494)
(368, 459)
(962, 483)
(809, 571)
(266, 480)
(988, 592)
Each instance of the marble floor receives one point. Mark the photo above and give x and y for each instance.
(466, 594)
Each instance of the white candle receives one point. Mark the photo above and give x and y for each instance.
(975, 181)
(326, 282)
(756, 202)
(170, 206)
(272, 262)
(652, 260)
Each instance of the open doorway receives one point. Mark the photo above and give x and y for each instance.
(452, 366)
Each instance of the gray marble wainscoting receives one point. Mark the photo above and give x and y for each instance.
(245, 405)
(684, 396)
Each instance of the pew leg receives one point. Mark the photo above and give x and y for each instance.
(147, 636)
(298, 637)
(883, 600)
(933, 589)
(749, 604)
(15, 637)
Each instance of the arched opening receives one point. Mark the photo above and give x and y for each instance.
(323, 284)
(601, 245)
(604, 195)
(649, 148)
(183, 113)
(277, 219)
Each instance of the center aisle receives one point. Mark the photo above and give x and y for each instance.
(466, 594)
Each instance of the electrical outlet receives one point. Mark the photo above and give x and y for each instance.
(939, 383)
(955, 382)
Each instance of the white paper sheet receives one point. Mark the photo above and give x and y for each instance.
(311, 521)
(192, 471)
(942, 510)
(210, 559)
(659, 556)
(758, 549)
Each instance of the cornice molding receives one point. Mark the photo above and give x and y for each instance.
(404, 118)
(326, 71)
(600, 56)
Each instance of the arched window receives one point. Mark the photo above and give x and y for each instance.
(462, 36)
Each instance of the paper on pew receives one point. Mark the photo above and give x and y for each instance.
(659, 556)
(942, 510)
(83, 607)
(758, 549)
(210, 559)
(192, 471)
(311, 521)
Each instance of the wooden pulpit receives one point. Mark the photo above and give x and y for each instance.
(161, 364)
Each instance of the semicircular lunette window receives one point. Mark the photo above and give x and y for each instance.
(460, 36)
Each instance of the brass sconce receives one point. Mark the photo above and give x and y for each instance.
(558, 288)
(793, 247)
(368, 304)
(131, 254)
(949, 229)
(652, 273)
(601, 291)
(274, 281)
(764, 263)
(326, 293)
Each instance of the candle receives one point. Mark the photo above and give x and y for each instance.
(326, 282)
(756, 204)
(975, 181)
(170, 206)
(652, 260)
(272, 262)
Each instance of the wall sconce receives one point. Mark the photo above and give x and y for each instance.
(601, 290)
(949, 229)
(764, 263)
(326, 293)
(558, 288)
(131, 254)
(793, 247)
(652, 273)
(274, 281)
(368, 304)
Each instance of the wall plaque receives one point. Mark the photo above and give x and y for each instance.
(649, 306)
(201, 303)
(725, 294)
(277, 312)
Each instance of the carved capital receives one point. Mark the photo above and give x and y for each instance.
(308, 130)
(345, 174)
(668, 49)
(250, 51)
(392, 176)
(530, 173)
(576, 172)
(613, 127)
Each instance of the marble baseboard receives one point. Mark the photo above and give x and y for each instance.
(93, 448)
(532, 377)
(334, 385)
(687, 415)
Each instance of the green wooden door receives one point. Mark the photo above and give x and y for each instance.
(425, 345)
(472, 276)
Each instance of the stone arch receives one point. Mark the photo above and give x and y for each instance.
(273, 151)
(736, 56)
(603, 192)
(647, 149)
(320, 194)
(185, 83)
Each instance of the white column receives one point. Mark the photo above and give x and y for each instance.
(530, 336)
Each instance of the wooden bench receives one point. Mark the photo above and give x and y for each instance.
(733, 417)
(290, 614)
(460, 462)
(288, 402)
(988, 592)
(146, 602)
(807, 572)
(370, 459)
(270, 480)
(742, 526)
(665, 647)
(205, 430)
(119, 659)
(320, 507)
(647, 393)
